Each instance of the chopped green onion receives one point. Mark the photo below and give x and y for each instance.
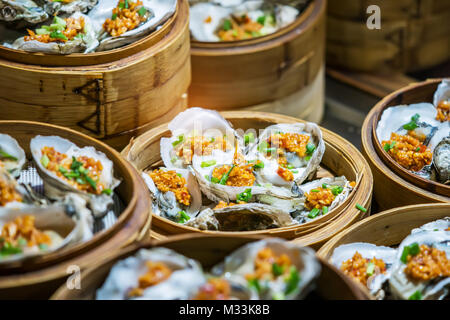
(121, 5)
(58, 35)
(107, 192)
(249, 138)
(313, 213)
(336, 190)
(208, 163)
(414, 249)
(254, 284)
(416, 296)
(60, 21)
(259, 165)
(215, 180)
(22, 242)
(43, 246)
(42, 31)
(142, 11)
(413, 123)
(315, 190)
(173, 160)
(9, 249)
(360, 208)
(370, 268)
(277, 270)
(388, 146)
(294, 171)
(114, 16)
(180, 139)
(224, 178)
(255, 33)
(405, 253)
(307, 158)
(325, 210)
(91, 182)
(45, 161)
(324, 186)
(244, 196)
(310, 147)
(179, 175)
(261, 20)
(183, 217)
(278, 296)
(417, 149)
(227, 25)
(212, 140)
(126, 4)
(292, 281)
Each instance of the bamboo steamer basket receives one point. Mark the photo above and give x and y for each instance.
(112, 95)
(281, 72)
(387, 228)
(340, 158)
(395, 186)
(38, 277)
(209, 250)
(413, 35)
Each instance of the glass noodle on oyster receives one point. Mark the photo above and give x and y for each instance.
(417, 136)
(250, 182)
(223, 20)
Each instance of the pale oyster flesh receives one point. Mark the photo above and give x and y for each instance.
(185, 280)
(12, 156)
(241, 262)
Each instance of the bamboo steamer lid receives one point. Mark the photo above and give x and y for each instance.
(209, 250)
(395, 186)
(282, 70)
(39, 276)
(111, 95)
(340, 158)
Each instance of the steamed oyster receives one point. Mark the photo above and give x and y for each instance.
(231, 288)
(22, 11)
(12, 156)
(56, 7)
(290, 153)
(11, 193)
(176, 194)
(115, 29)
(225, 21)
(65, 167)
(63, 36)
(366, 263)
(438, 225)
(441, 160)
(421, 269)
(31, 231)
(273, 268)
(153, 274)
(321, 196)
(441, 101)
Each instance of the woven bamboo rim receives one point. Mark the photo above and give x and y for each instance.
(341, 158)
(208, 250)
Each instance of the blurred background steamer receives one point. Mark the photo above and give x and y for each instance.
(110, 95)
(280, 72)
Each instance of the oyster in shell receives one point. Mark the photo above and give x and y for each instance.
(55, 227)
(233, 20)
(292, 279)
(336, 190)
(291, 153)
(411, 285)
(442, 93)
(186, 199)
(85, 41)
(66, 7)
(12, 156)
(205, 220)
(237, 286)
(441, 160)
(21, 12)
(84, 171)
(438, 225)
(182, 277)
(156, 13)
(376, 277)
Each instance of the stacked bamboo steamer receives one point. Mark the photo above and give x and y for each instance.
(394, 186)
(340, 158)
(111, 95)
(282, 72)
(210, 250)
(413, 35)
(38, 277)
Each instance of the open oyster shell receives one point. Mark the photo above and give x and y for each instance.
(402, 287)
(159, 11)
(85, 44)
(12, 156)
(442, 93)
(304, 167)
(52, 220)
(166, 205)
(241, 262)
(367, 251)
(206, 18)
(186, 278)
(21, 12)
(57, 188)
(438, 225)
(66, 8)
(238, 289)
(441, 160)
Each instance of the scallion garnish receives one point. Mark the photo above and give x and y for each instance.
(360, 208)
(244, 196)
(208, 163)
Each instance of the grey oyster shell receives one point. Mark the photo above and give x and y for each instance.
(441, 160)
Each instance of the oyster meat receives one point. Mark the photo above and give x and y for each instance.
(180, 277)
(66, 7)
(292, 268)
(65, 168)
(12, 156)
(22, 12)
